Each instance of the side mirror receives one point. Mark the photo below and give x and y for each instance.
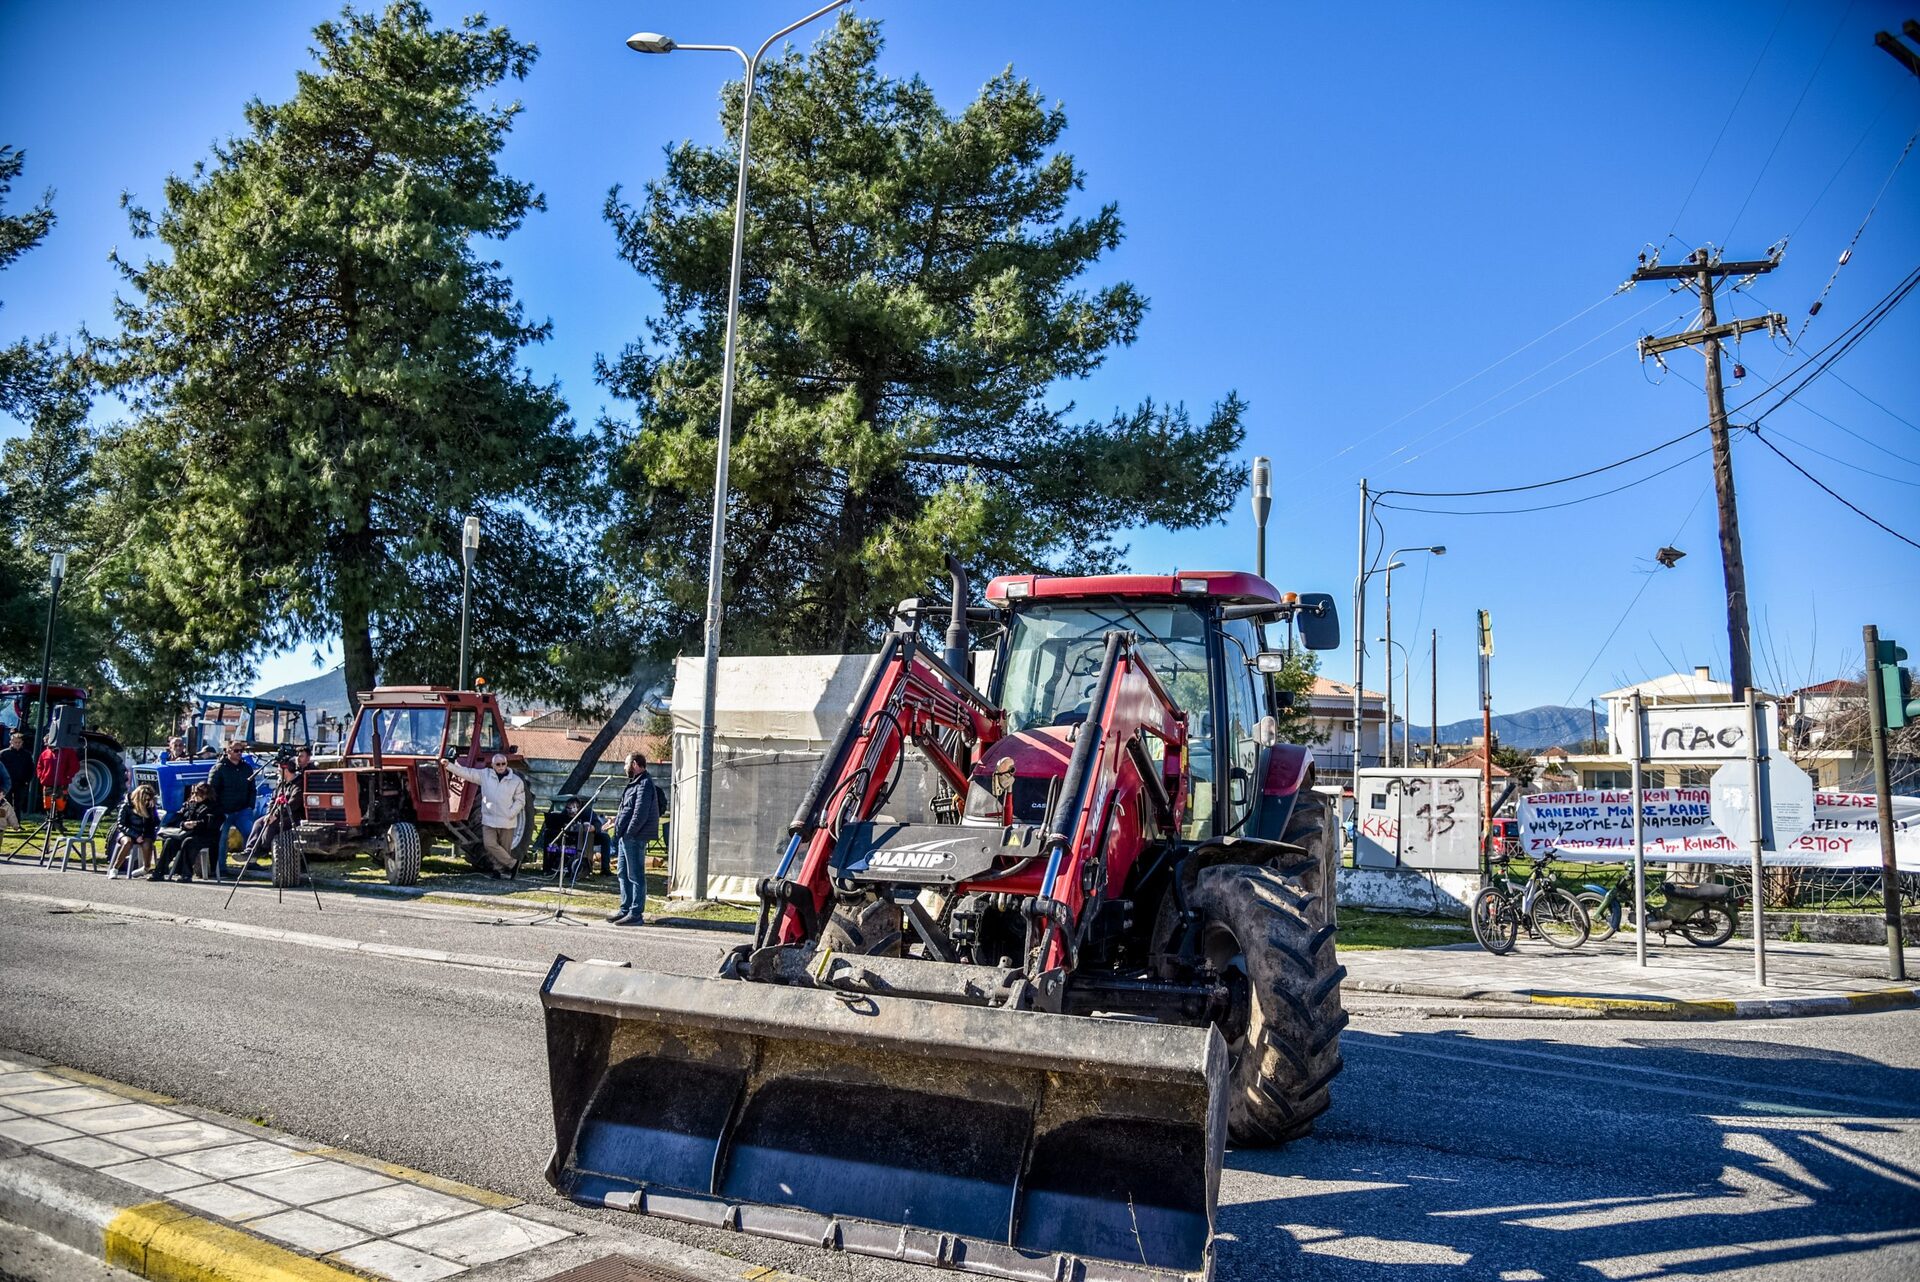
(1318, 621)
(1237, 786)
(1266, 732)
(1283, 700)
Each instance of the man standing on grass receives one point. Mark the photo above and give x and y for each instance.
(634, 829)
(503, 798)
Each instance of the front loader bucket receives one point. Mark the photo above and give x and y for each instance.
(1037, 1147)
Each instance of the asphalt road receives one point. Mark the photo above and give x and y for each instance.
(1478, 1149)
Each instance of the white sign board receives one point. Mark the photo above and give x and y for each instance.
(1694, 731)
(1427, 820)
(1844, 831)
(1789, 801)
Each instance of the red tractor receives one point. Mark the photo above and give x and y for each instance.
(1015, 1042)
(101, 776)
(390, 789)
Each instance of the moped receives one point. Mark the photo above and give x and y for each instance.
(1703, 913)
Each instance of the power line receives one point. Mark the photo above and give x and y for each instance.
(1791, 115)
(1846, 254)
(1731, 113)
(1834, 458)
(1844, 341)
(1544, 507)
(1835, 494)
(1876, 404)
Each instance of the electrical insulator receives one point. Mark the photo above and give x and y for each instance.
(1739, 370)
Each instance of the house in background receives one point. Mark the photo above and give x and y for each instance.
(1825, 732)
(1330, 709)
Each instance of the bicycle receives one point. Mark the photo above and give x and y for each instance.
(1549, 912)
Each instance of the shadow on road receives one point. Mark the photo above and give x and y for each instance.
(1458, 1155)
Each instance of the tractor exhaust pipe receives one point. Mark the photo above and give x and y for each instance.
(956, 652)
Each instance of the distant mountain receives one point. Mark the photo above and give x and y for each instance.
(1536, 728)
(324, 693)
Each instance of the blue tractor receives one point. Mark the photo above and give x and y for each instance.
(266, 727)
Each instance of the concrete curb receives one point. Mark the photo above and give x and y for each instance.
(101, 1217)
(1503, 1003)
(129, 1228)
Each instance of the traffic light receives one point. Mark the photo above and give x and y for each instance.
(1896, 685)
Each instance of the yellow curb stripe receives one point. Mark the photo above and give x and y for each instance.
(166, 1244)
(107, 1084)
(1706, 1009)
(453, 1188)
(1879, 998)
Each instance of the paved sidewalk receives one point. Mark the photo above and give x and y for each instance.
(1679, 981)
(167, 1190)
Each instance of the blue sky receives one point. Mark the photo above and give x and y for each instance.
(1346, 218)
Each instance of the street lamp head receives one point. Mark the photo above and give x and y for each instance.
(57, 566)
(470, 534)
(650, 42)
(1438, 549)
(1394, 565)
(1262, 477)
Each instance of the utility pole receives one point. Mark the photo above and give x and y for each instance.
(1593, 724)
(1433, 709)
(1359, 637)
(1703, 271)
(1901, 54)
(1882, 713)
(1486, 741)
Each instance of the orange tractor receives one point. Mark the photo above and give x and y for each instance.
(1014, 1035)
(390, 789)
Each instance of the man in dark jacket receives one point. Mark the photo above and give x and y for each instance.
(634, 829)
(19, 767)
(233, 797)
(283, 812)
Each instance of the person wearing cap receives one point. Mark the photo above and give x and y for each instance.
(503, 799)
(232, 782)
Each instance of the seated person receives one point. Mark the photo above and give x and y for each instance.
(196, 822)
(138, 824)
(176, 750)
(283, 812)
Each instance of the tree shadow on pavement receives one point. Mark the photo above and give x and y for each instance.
(1451, 1154)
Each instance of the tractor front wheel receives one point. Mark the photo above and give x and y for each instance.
(1268, 938)
(403, 855)
(870, 929)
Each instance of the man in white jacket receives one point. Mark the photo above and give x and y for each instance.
(503, 797)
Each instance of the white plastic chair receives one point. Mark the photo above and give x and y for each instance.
(86, 846)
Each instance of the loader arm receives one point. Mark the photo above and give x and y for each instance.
(1112, 771)
(909, 695)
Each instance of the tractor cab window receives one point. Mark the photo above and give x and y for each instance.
(459, 731)
(1239, 642)
(10, 714)
(490, 737)
(1053, 664)
(404, 732)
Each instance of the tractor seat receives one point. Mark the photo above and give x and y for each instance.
(1703, 891)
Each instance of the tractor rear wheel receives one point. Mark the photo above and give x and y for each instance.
(870, 929)
(1265, 934)
(1310, 827)
(403, 855)
(288, 866)
(100, 780)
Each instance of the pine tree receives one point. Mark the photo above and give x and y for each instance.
(911, 304)
(324, 369)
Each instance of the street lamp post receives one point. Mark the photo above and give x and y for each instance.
(653, 42)
(469, 544)
(1438, 549)
(56, 574)
(1406, 699)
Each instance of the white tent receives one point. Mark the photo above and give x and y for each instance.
(773, 720)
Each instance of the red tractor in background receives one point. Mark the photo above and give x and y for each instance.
(101, 776)
(390, 790)
(901, 1063)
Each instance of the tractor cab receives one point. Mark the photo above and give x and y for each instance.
(391, 788)
(260, 725)
(1212, 638)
